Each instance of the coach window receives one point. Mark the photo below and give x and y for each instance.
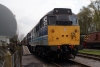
(34, 31)
(37, 28)
(31, 32)
(52, 20)
(41, 24)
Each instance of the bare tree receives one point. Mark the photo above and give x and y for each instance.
(21, 36)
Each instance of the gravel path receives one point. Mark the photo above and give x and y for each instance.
(90, 62)
(30, 60)
(26, 50)
(33, 61)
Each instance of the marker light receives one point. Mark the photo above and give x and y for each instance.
(58, 47)
(52, 31)
(76, 30)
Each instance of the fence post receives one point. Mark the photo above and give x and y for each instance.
(20, 55)
(8, 60)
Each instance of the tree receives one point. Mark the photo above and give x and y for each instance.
(84, 18)
(89, 17)
(95, 8)
(14, 38)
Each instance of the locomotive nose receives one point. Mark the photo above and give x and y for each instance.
(63, 35)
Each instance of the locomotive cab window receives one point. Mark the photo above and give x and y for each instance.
(52, 20)
(63, 20)
(73, 18)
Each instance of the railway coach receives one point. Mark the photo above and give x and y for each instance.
(92, 40)
(57, 34)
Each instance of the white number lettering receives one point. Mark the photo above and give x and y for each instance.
(45, 20)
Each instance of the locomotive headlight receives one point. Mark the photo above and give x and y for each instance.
(52, 31)
(76, 30)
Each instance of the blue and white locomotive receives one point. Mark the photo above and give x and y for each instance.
(56, 35)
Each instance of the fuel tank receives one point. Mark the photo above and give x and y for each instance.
(8, 24)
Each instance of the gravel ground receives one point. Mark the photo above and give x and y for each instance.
(30, 60)
(90, 62)
(67, 63)
(25, 50)
(33, 61)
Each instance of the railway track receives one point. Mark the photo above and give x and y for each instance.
(69, 63)
(63, 63)
(90, 56)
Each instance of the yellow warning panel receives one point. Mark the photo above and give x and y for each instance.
(63, 35)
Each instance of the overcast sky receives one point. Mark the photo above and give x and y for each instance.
(29, 12)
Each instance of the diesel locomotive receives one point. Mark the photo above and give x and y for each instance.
(56, 35)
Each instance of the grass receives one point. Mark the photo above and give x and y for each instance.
(90, 51)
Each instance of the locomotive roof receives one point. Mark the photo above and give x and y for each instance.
(60, 11)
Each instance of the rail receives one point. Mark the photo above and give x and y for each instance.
(91, 56)
(74, 63)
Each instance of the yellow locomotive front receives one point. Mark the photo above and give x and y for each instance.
(63, 28)
(63, 35)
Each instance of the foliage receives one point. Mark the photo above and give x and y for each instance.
(91, 51)
(17, 37)
(14, 38)
(95, 6)
(89, 17)
(84, 18)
